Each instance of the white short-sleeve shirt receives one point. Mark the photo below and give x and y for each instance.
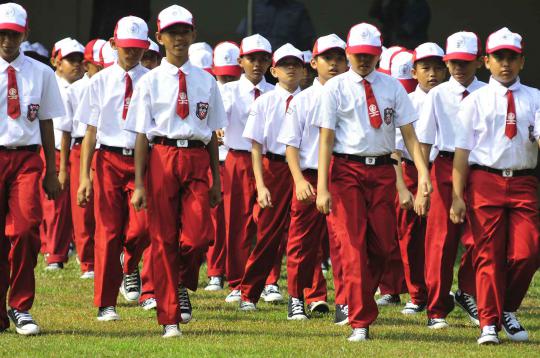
(153, 106)
(63, 123)
(39, 99)
(75, 93)
(482, 120)
(343, 108)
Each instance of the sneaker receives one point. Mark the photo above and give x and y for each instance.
(234, 296)
(325, 267)
(88, 275)
(319, 307)
(23, 321)
(131, 286)
(215, 283)
(185, 305)
(71, 250)
(342, 315)
(513, 329)
(295, 309)
(107, 314)
(359, 335)
(468, 304)
(387, 299)
(247, 306)
(171, 331)
(412, 308)
(149, 304)
(271, 294)
(55, 266)
(437, 323)
(488, 336)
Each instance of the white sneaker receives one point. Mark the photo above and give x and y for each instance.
(271, 294)
(131, 286)
(171, 331)
(437, 323)
(107, 314)
(23, 321)
(215, 283)
(359, 335)
(488, 336)
(234, 296)
(186, 310)
(247, 306)
(412, 308)
(88, 275)
(149, 304)
(513, 329)
(56, 266)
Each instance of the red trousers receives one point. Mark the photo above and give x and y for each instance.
(441, 245)
(84, 223)
(147, 276)
(239, 198)
(272, 223)
(56, 227)
(20, 217)
(118, 226)
(215, 257)
(340, 296)
(364, 220)
(504, 221)
(318, 290)
(393, 278)
(180, 227)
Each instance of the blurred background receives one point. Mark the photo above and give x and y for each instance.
(403, 22)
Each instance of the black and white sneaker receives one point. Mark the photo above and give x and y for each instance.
(513, 329)
(321, 307)
(247, 306)
(342, 315)
(215, 283)
(388, 299)
(488, 336)
(171, 331)
(271, 294)
(412, 308)
(437, 323)
(131, 286)
(107, 314)
(55, 266)
(359, 335)
(295, 309)
(185, 305)
(149, 304)
(23, 321)
(325, 267)
(468, 304)
(234, 296)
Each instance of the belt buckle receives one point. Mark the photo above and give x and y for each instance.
(182, 143)
(371, 160)
(127, 152)
(9, 147)
(507, 173)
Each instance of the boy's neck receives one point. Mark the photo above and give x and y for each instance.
(12, 58)
(507, 84)
(289, 88)
(254, 81)
(177, 61)
(466, 83)
(125, 67)
(60, 75)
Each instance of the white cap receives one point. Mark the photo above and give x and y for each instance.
(40, 49)
(386, 56)
(287, 50)
(26, 47)
(131, 31)
(107, 54)
(153, 46)
(173, 15)
(200, 55)
(364, 38)
(427, 49)
(92, 50)
(463, 46)
(13, 17)
(226, 59)
(401, 65)
(68, 47)
(326, 43)
(254, 43)
(504, 39)
(59, 44)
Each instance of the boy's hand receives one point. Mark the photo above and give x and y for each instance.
(63, 179)
(421, 204)
(220, 133)
(214, 195)
(424, 184)
(84, 193)
(138, 199)
(263, 197)
(305, 191)
(51, 185)
(324, 202)
(406, 199)
(457, 211)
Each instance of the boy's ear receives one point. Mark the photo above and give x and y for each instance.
(313, 63)
(53, 62)
(158, 38)
(273, 71)
(522, 62)
(486, 62)
(413, 73)
(113, 43)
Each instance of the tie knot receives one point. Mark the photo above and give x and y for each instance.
(180, 73)
(509, 92)
(11, 69)
(127, 77)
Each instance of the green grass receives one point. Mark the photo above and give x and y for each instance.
(63, 308)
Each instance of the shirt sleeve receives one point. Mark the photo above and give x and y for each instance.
(467, 118)
(139, 116)
(325, 114)
(537, 116)
(217, 117)
(426, 126)
(405, 112)
(254, 129)
(89, 110)
(65, 123)
(292, 126)
(51, 104)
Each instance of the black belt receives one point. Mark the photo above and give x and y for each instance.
(27, 148)
(275, 157)
(310, 171)
(179, 143)
(118, 150)
(78, 140)
(410, 162)
(239, 151)
(375, 160)
(506, 173)
(445, 154)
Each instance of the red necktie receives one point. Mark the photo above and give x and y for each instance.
(465, 94)
(14, 108)
(511, 128)
(182, 105)
(373, 109)
(289, 99)
(127, 95)
(257, 92)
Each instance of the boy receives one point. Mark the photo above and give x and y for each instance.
(272, 175)
(119, 229)
(152, 56)
(20, 137)
(185, 147)
(239, 193)
(437, 126)
(200, 55)
(308, 227)
(498, 140)
(353, 106)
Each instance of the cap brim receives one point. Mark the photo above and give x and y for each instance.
(462, 56)
(328, 49)
(504, 47)
(410, 84)
(161, 28)
(274, 63)
(61, 55)
(132, 43)
(365, 49)
(414, 59)
(227, 71)
(12, 27)
(254, 51)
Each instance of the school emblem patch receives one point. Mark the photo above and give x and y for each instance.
(32, 112)
(389, 114)
(202, 110)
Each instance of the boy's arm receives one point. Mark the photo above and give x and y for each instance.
(138, 200)
(426, 150)
(65, 146)
(406, 200)
(326, 145)
(88, 147)
(460, 170)
(304, 190)
(263, 194)
(215, 189)
(50, 181)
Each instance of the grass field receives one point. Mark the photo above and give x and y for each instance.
(64, 310)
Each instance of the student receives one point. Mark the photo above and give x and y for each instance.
(358, 114)
(239, 195)
(152, 56)
(119, 229)
(437, 126)
(498, 140)
(309, 73)
(308, 227)
(178, 107)
(108, 55)
(31, 99)
(272, 175)
(201, 55)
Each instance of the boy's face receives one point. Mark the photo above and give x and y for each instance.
(70, 67)
(150, 60)
(176, 39)
(505, 65)
(330, 64)
(288, 71)
(255, 65)
(429, 72)
(362, 63)
(10, 42)
(91, 68)
(226, 79)
(463, 71)
(129, 57)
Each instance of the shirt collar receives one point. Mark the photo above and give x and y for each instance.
(458, 88)
(371, 77)
(61, 81)
(420, 92)
(16, 63)
(121, 73)
(500, 89)
(248, 86)
(316, 83)
(283, 93)
(173, 70)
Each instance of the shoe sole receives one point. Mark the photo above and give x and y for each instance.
(410, 313)
(250, 309)
(475, 321)
(213, 288)
(490, 342)
(108, 319)
(350, 339)
(513, 339)
(321, 308)
(297, 318)
(150, 307)
(272, 299)
(175, 335)
(232, 300)
(439, 326)
(123, 292)
(27, 333)
(185, 320)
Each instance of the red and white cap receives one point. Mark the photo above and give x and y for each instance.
(131, 31)
(463, 46)
(287, 50)
(200, 55)
(386, 56)
(67, 47)
(364, 38)
(173, 15)
(91, 51)
(57, 46)
(153, 46)
(40, 49)
(326, 43)
(226, 59)
(504, 39)
(427, 49)
(13, 17)
(255, 43)
(107, 54)
(401, 66)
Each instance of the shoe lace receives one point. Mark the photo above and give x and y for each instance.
(215, 280)
(183, 298)
(360, 331)
(471, 304)
(345, 310)
(489, 330)
(411, 305)
(235, 293)
(297, 306)
(108, 310)
(22, 316)
(132, 281)
(511, 320)
(170, 327)
(272, 289)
